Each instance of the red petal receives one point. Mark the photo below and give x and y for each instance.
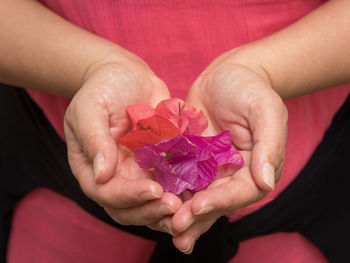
(139, 139)
(150, 131)
(138, 112)
(197, 122)
(170, 109)
(160, 126)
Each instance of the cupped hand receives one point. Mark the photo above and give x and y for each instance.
(105, 170)
(235, 98)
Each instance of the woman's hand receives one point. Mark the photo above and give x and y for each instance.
(106, 171)
(235, 98)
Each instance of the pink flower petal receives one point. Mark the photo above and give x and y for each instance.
(231, 156)
(197, 122)
(221, 146)
(160, 126)
(188, 161)
(207, 171)
(139, 139)
(171, 109)
(186, 176)
(174, 161)
(139, 112)
(184, 117)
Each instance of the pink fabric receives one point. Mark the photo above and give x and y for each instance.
(280, 247)
(178, 39)
(50, 228)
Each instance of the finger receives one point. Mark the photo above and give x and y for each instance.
(148, 213)
(183, 218)
(164, 225)
(196, 216)
(228, 196)
(268, 122)
(185, 241)
(122, 193)
(90, 126)
(224, 195)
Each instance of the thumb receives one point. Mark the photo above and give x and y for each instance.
(268, 123)
(88, 127)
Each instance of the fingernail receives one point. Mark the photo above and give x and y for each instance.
(205, 210)
(166, 210)
(166, 228)
(189, 249)
(98, 164)
(149, 196)
(269, 175)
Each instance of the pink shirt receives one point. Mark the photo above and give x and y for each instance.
(179, 38)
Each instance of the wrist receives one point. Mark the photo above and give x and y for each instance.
(119, 62)
(123, 69)
(252, 59)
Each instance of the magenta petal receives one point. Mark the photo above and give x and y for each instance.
(224, 151)
(171, 183)
(220, 146)
(197, 122)
(219, 143)
(174, 161)
(147, 158)
(203, 146)
(231, 156)
(207, 172)
(186, 175)
(173, 178)
(178, 143)
(188, 161)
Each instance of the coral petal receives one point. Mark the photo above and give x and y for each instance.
(139, 139)
(197, 122)
(162, 127)
(169, 108)
(138, 112)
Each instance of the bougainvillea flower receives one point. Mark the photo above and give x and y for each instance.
(150, 131)
(183, 117)
(139, 112)
(187, 119)
(170, 118)
(188, 162)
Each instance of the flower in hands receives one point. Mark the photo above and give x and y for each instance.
(170, 118)
(188, 162)
(168, 139)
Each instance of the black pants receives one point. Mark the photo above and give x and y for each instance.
(316, 204)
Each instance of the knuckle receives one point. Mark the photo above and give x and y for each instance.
(100, 201)
(88, 142)
(276, 151)
(226, 203)
(67, 120)
(155, 227)
(118, 216)
(91, 194)
(147, 218)
(122, 220)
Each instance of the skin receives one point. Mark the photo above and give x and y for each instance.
(247, 84)
(96, 73)
(246, 80)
